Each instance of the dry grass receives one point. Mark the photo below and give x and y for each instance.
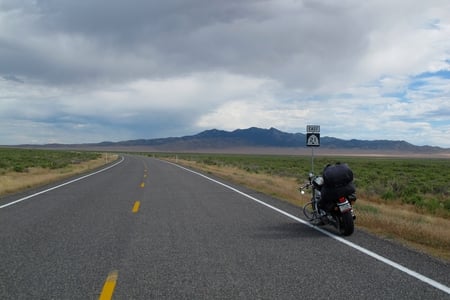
(427, 233)
(402, 223)
(12, 182)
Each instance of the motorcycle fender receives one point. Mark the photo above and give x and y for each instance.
(344, 206)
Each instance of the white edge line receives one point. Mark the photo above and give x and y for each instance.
(385, 260)
(58, 186)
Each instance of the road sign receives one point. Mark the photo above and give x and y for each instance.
(313, 139)
(313, 128)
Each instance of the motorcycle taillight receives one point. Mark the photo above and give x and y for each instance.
(342, 200)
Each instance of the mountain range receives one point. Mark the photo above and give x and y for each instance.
(258, 138)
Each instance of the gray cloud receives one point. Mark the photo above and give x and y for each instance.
(12, 78)
(123, 68)
(289, 41)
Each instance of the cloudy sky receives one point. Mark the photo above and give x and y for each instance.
(76, 71)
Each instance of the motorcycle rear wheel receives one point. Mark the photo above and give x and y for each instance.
(346, 224)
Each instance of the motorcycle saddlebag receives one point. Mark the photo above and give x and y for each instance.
(332, 194)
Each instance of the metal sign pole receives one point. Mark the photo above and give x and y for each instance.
(312, 140)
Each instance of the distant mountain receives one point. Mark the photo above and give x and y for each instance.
(257, 137)
(252, 140)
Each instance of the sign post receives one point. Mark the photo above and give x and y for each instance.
(312, 140)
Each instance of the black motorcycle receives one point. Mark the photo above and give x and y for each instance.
(338, 211)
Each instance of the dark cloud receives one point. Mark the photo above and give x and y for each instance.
(12, 78)
(298, 43)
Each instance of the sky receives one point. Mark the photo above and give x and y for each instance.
(86, 71)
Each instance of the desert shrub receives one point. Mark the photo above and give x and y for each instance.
(20, 160)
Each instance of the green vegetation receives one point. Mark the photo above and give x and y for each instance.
(20, 160)
(421, 182)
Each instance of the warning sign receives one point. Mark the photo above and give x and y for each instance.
(313, 139)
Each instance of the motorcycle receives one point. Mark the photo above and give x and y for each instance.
(340, 214)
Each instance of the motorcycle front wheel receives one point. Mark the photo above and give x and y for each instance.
(309, 211)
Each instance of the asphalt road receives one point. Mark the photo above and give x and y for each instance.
(148, 229)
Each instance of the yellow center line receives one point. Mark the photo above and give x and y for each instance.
(136, 206)
(108, 287)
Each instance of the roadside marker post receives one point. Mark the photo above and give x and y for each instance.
(312, 140)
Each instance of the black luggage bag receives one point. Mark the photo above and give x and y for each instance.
(338, 182)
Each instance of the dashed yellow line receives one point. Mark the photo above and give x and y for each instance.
(109, 286)
(136, 206)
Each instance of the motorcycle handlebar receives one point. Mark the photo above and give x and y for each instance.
(307, 185)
